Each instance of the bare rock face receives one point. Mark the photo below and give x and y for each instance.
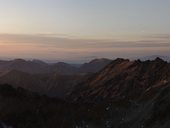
(124, 79)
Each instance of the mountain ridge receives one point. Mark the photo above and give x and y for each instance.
(121, 76)
(38, 66)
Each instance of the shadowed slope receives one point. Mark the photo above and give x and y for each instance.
(124, 79)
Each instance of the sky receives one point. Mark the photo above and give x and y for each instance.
(80, 30)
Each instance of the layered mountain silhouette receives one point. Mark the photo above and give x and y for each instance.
(123, 94)
(37, 66)
(54, 80)
(23, 65)
(51, 84)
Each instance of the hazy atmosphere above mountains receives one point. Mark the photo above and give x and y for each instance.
(76, 31)
(78, 50)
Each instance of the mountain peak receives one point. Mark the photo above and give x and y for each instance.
(159, 59)
(19, 60)
(97, 60)
(121, 60)
(95, 65)
(121, 76)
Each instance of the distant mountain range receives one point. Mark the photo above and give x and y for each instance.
(165, 58)
(53, 80)
(94, 65)
(37, 66)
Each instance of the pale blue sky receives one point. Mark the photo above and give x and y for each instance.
(39, 25)
(85, 18)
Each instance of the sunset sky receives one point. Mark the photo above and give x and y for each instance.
(80, 30)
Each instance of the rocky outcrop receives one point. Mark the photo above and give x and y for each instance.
(124, 79)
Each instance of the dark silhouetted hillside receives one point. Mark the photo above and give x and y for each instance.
(124, 94)
(21, 109)
(94, 65)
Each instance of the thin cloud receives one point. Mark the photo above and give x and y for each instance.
(46, 47)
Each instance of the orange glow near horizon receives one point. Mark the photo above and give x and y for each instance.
(40, 47)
